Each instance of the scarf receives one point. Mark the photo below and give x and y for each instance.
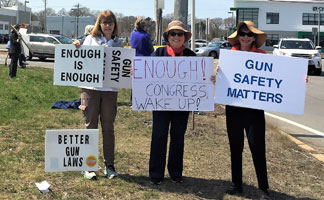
(173, 52)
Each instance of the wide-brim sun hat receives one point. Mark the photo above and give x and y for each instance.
(176, 25)
(260, 35)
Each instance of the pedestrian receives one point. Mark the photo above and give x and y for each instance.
(14, 50)
(141, 40)
(87, 31)
(175, 35)
(101, 103)
(247, 38)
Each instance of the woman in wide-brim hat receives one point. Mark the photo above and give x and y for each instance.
(247, 38)
(259, 37)
(175, 121)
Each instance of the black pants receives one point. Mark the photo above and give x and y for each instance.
(161, 123)
(253, 122)
(13, 65)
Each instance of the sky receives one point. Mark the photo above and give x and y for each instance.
(204, 8)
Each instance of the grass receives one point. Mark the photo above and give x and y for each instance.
(25, 114)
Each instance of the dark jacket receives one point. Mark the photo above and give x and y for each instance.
(162, 51)
(15, 47)
(141, 41)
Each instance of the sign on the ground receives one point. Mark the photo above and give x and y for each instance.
(261, 81)
(172, 83)
(71, 150)
(118, 63)
(78, 66)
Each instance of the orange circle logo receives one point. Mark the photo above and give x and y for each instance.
(91, 161)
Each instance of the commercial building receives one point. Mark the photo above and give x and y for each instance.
(284, 18)
(70, 26)
(13, 15)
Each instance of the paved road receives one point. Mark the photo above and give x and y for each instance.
(308, 127)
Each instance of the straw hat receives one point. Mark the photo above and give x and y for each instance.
(176, 25)
(260, 35)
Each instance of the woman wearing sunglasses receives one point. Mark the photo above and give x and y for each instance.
(247, 38)
(175, 35)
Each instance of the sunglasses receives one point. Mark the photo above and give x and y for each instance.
(110, 23)
(174, 34)
(249, 34)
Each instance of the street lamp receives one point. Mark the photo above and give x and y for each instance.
(25, 4)
(231, 12)
(319, 27)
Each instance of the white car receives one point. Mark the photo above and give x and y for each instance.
(303, 48)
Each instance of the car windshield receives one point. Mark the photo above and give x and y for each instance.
(291, 44)
(64, 40)
(215, 44)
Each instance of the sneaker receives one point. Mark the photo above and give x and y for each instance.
(110, 172)
(89, 175)
(156, 181)
(234, 190)
(177, 179)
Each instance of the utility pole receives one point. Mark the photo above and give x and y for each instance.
(45, 29)
(157, 14)
(193, 28)
(181, 11)
(78, 7)
(319, 27)
(25, 4)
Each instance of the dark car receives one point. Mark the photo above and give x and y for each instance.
(212, 49)
(4, 38)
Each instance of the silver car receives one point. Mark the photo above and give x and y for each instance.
(212, 49)
(43, 45)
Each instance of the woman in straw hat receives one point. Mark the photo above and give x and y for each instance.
(247, 38)
(175, 35)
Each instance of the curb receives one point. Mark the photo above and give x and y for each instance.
(318, 156)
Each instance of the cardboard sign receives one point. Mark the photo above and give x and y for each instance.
(78, 67)
(118, 64)
(71, 150)
(261, 81)
(172, 83)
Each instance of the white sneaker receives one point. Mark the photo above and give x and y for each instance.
(89, 175)
(110, 172)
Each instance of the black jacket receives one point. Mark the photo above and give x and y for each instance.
(15, 47)
(162, 51)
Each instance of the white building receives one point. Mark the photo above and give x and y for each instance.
(283, 18)
(68, 25)
(13, 15)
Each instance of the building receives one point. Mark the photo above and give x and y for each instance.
(283, 18)
(13, 15)
(70, 26)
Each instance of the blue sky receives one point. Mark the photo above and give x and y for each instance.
(204, 8)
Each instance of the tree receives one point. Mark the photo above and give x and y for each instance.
(80, 11)
(8, 3)
(62, 12)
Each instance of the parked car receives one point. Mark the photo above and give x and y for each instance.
(302, 48)
(4, 38)
(43, 45)
(213, 49)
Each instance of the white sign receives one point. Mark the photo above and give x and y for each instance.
(261, 81)
(173, 83)
(118, 64)
(71, 150)
(78, 66)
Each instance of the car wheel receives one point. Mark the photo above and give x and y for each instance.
(30, 56)
(213, 54)
(318, 72)
(42, 58)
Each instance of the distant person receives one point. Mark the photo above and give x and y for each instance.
(141, 40)
(101, 103)
(174, 121)
(247, 38)
(87, 31)
(14, 50)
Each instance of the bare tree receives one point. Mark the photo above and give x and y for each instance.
(8, 3)
(62, 12)
(82, 11)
